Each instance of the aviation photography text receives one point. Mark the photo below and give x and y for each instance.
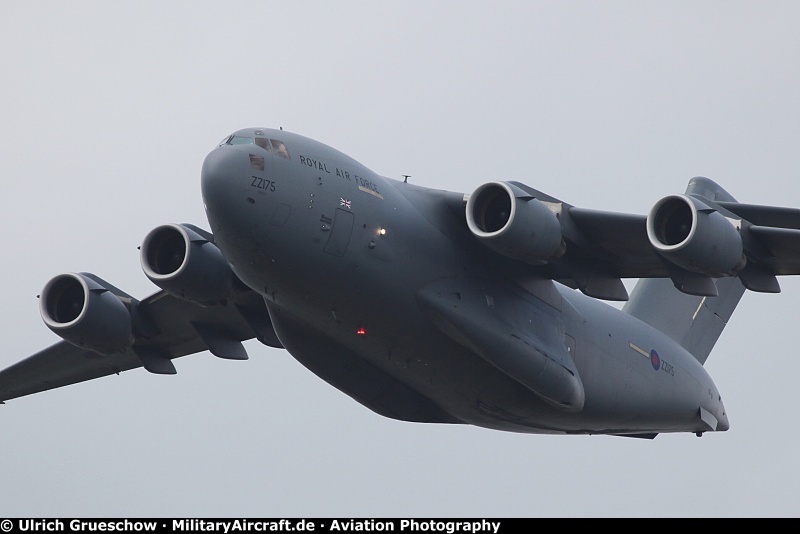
(230, 526)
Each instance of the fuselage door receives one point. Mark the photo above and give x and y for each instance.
(340, 233)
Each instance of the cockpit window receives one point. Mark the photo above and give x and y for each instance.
(240, 140)
(270, 145)
(273, 145)
(279, 148)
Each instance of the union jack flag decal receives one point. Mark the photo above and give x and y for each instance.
(346, 203)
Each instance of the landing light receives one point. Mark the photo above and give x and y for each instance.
(382, 231)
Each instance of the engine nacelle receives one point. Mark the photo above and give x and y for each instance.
(513, 223)
(694, 236)
(180, 261)
(85, 313)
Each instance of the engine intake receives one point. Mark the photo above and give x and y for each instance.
(182, 262)
(82, 311)
(694, 236)
(513, 223)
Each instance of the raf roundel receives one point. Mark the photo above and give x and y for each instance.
(655, 361)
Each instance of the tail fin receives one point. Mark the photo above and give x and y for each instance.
(694, 322)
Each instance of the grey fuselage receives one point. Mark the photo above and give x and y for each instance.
(349, 263)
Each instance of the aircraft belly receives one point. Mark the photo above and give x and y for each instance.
(346, 370)
(409, 363)
(449, 385)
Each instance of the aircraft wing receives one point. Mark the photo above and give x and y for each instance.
(603, 247)
(616, 241)
(619, 241)
(692, 239)
(777, 232)
(165, 327)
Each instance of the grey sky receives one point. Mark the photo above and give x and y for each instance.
(107, 110)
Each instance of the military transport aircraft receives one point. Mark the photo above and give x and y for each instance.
(433, 306)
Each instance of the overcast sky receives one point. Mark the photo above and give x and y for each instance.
(107, 110)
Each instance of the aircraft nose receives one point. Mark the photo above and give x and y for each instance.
(223, 179)
(217, 177)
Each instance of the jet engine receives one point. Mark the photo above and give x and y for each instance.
(182, 262)
(83, 311)
(694, 236)
(513, 223)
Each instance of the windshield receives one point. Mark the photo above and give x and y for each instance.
(273, 146)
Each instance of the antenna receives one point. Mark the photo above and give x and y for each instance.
(405, 178)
